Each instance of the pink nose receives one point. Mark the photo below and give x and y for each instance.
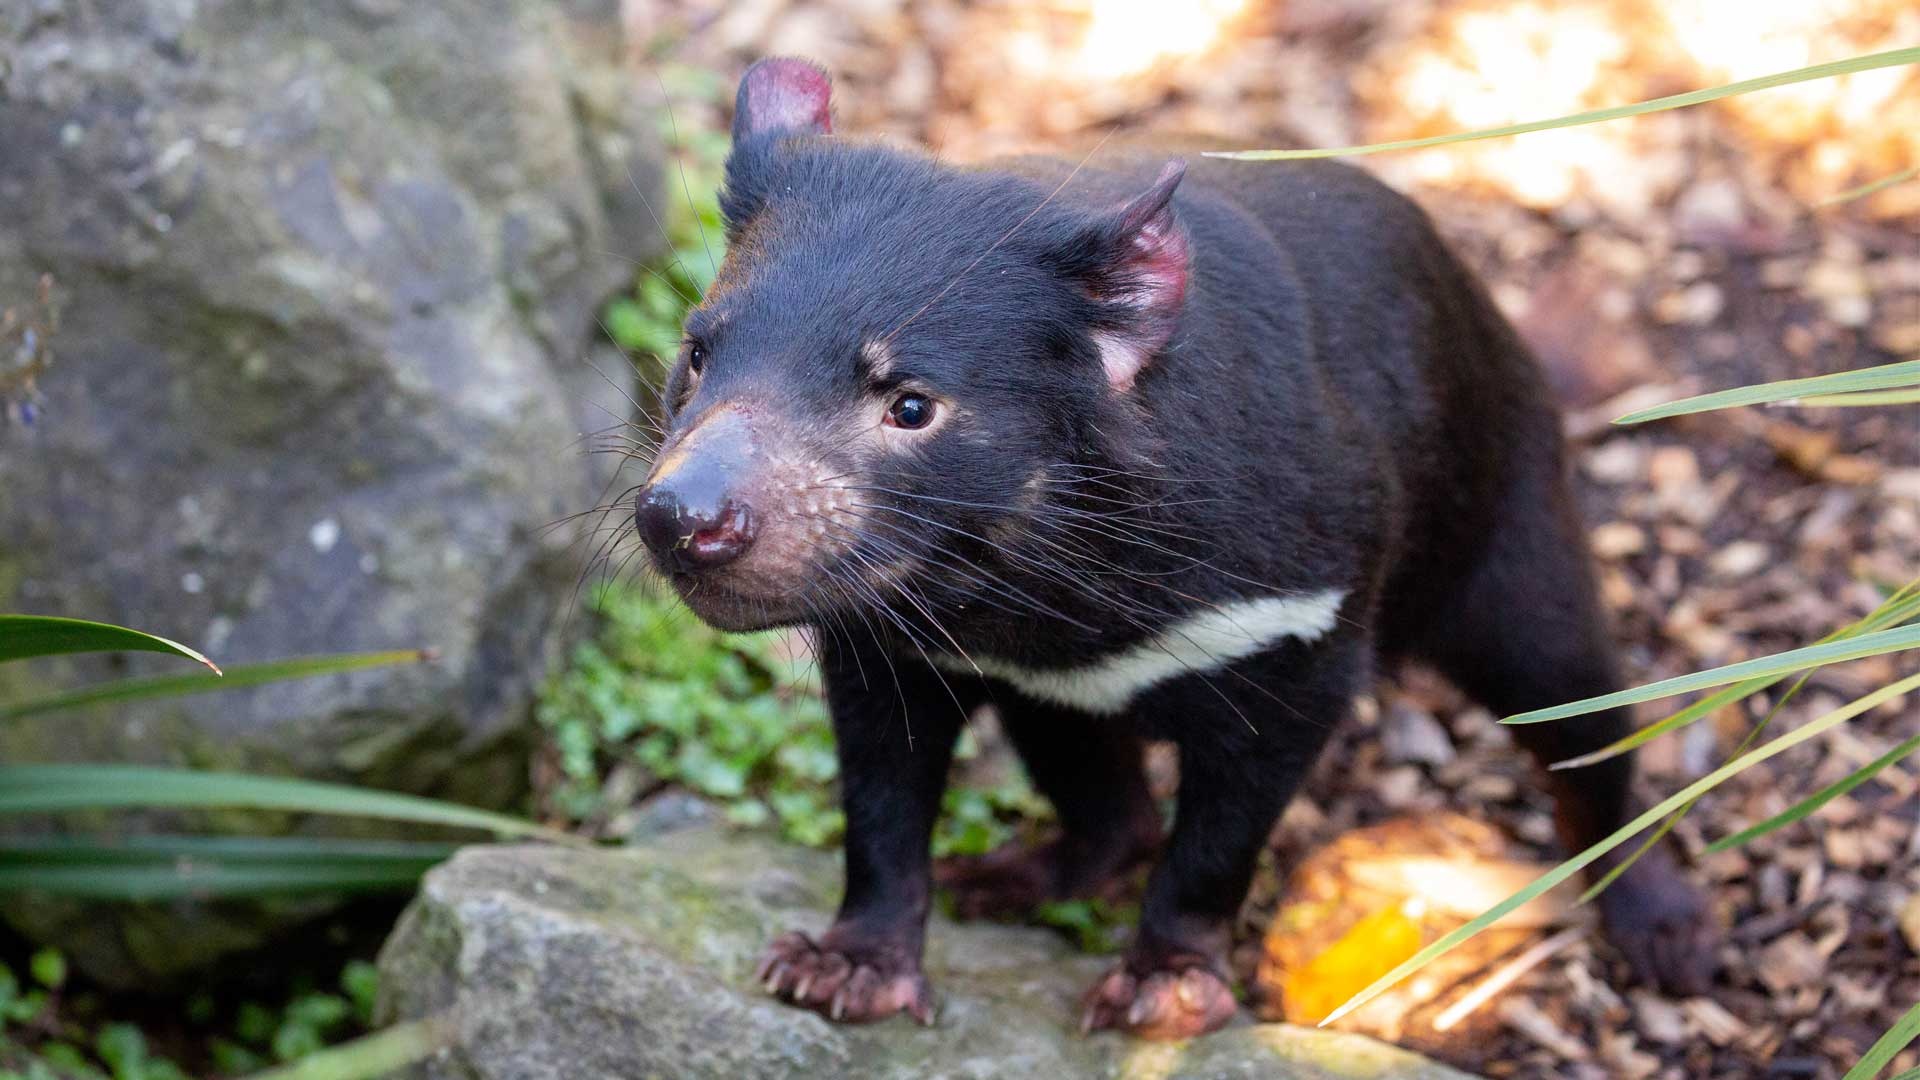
(691, 525)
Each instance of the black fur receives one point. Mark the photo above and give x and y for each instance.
(1338, 405)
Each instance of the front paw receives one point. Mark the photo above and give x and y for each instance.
(844, 981)
(1164, 1004)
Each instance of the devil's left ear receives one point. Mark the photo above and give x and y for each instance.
(779, 96)
(1139, 270)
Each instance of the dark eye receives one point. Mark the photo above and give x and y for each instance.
(910, 411)
(696, 356)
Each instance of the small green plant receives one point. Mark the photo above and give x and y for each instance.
(647, 321)
(39, 1042)
(48, 1033)
(661, 699)
(311, 1020)
(1096, 926)
(725, 716)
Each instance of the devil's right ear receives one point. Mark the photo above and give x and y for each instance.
(779, 96)
(782, 96)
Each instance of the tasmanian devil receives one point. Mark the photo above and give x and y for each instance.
(1132, 450)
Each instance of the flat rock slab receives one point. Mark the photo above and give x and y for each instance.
(639, 963)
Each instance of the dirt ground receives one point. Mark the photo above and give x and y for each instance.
(1644, 260)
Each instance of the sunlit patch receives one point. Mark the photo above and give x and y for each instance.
(1126, 37)
(1354, 908)
(1495, 66)
(1854, 126)
(1487, 65)
(1086, 41)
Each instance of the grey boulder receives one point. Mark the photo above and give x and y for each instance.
(327, 277)
(549, 963)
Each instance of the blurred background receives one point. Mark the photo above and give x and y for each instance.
(323, 321)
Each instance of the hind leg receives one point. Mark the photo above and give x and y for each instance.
(1525, 630)
(1090, 769)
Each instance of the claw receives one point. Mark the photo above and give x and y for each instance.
(1166, 1004)
(848, 981)
(1191, 989)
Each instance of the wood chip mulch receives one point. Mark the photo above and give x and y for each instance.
(1644, 260)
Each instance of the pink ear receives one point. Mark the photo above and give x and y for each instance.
(1152, 269)
(783, 96)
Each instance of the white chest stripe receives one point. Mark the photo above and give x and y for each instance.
(1196, 645)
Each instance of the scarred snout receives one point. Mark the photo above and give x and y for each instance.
(696, 513)
(738, 519)
(691, 522)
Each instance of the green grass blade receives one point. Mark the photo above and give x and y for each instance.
(1451, 940)
(382, 1053)
(1895, 376)
(1869, 62)
(172, 867)
(1900, 606)
(26, 636)
(44, 789)
(1819, 798)
(235, 678)
(1903, 604)
(1706, 706)
(1895, 1040)
(1877, 643)
(1673, 819)
(1865, 397)
(1872, 187)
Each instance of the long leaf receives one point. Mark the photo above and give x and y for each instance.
(1893, 58)
(1898, 608)
(1666, 826)
(123, 690)
(26, 636)
(1903, 1031)
(1452, 940)
(1874, 644)
(1883, 377)
(1863, 398)
(1706, 706)
(1819, 798)
(170, 867)
(382, 1053)
(1871, 187)
(42, 789)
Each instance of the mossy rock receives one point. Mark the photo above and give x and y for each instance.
(639, 963)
